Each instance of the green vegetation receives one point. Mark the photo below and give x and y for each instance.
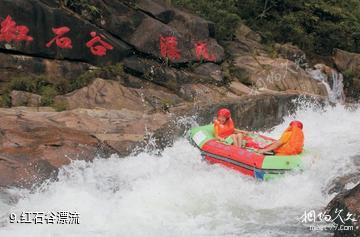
(222, 12)
(59, 106)
(49, 88)
(316, 26)
(5, 100)
(83, 7)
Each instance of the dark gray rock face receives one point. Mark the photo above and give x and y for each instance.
(345, 203)
(40, 19)
(120, 29)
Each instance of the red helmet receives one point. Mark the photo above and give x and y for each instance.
(297, 124)
(225, 113)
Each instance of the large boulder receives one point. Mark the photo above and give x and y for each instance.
(243, 32)
(156, 8)
(341, 183)
(40, 19)
(275, 74)
(211, 70)
(349, 64)
(204, 94)
(33, 148)
(122, 130)
(105, 94)
(113, 95)
(346, 61)
(125, 21)
(35, 144)
(239, 88)
(22, 98)
(345, 211)
(167, 76)
(246, 42)
(293, 53)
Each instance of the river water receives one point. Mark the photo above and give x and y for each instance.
(177, 194)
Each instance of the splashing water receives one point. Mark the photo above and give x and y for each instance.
(177, 194)
(333, 84)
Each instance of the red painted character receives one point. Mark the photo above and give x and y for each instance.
(168, 47)
(98, 50)
(202, 52)
(10, 31)
(61, 42)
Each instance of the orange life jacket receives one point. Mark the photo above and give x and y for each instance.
(295, 143)
(224, 130)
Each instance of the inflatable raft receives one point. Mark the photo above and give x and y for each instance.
(245, 160)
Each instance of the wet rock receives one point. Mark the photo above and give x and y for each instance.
(22, 98)
(345, 203)
(340, 184)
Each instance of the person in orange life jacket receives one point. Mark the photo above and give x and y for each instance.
(224, 128)
(290, 143)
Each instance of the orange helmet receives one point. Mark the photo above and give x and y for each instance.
(296, 123)
(224, 112)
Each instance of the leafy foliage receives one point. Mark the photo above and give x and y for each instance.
(316, 26)
(222, 12)
(83, 7)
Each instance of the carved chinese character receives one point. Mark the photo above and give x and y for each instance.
(201, 51)
(101, 48)
(168, 47)
(61, 42)
(10, 31)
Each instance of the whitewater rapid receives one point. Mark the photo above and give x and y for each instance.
(177, 194)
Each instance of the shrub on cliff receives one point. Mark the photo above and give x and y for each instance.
(314, 25)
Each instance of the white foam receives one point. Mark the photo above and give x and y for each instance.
(177, 194)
